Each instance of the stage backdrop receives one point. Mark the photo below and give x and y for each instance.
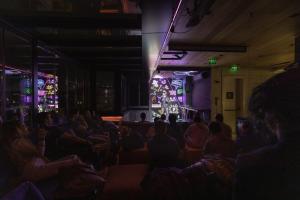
(167, 95)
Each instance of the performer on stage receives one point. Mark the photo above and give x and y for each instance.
(164, 103)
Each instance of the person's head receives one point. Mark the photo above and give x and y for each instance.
(124, 131)
(58, 118)
(156, 119)
(20, 114)
(61, 111)
(246, 128)
(160, 128)
(53, 113)
(11, 130)
(215, 128)
(81, 119)
(88, 114)
(12, 115)
(74, 114)
(143, 116)
(276, 102)
(94, 114)
(172, 118)
(197, 118)
(44, 119)
(163, 117)
(219, 117)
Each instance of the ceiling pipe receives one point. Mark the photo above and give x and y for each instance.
(166, 39)
(207, 48)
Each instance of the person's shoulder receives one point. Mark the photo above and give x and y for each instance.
(153, 142)
(171, 139)
(205, 126)
(212, 138)
(192, 125)
(260, 157)
(166, 139)
(154, 138)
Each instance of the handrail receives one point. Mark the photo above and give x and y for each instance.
(188, 108)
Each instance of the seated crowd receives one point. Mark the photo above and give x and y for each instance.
(71, 154)
(59, 143)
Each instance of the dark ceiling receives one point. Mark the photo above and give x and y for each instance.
(140, 34)
(103, 35)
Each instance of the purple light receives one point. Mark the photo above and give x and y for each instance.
(158, 76)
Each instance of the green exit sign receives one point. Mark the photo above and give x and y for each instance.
(234, 68)
(212, 61)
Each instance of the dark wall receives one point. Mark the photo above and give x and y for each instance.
(201, 92)
(136, 89)
(114, 92)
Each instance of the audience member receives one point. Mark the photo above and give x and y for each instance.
(78, 124)
(49, 133)
(197, 133)
(108, 126)
(247, 140)
(132, 140)
(30, 163)
(273, 172)
(143, 118)
(114, 136)
(163, 117)
(175, 131)
(219, 144)
(61, 141)
(20, 150)
(12, 115)
(143, 126)
(163, 149)
(226, 129)
(58, 119)
(25, 191)
(151, 131)
(94, 125)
